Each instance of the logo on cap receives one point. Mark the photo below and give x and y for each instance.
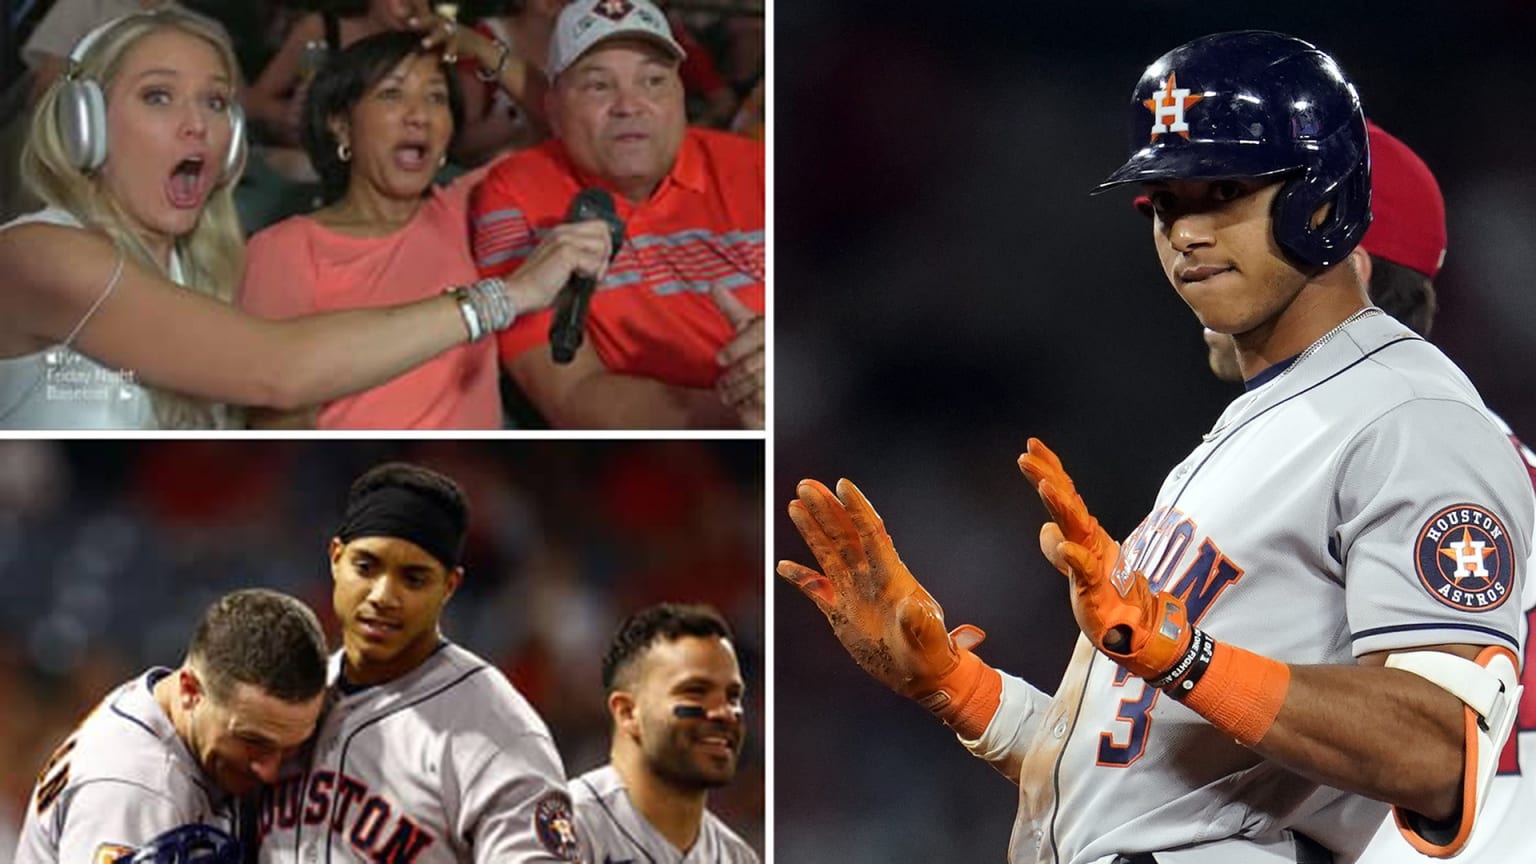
(1464, 558)
(1168, 105)
(614, 10)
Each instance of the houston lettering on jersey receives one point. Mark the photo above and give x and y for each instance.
(1156, 549)
(349, 809)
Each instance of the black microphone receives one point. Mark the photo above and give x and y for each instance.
(567, 328)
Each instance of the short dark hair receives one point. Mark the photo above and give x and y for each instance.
(263, 638)
(342, 82)
(662, 622)
(1404, 293)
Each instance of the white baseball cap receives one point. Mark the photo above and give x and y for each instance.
(585, 23)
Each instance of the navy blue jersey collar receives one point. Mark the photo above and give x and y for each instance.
(1269, 374)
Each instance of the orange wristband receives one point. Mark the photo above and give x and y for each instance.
(967, 696)
(1240, 692)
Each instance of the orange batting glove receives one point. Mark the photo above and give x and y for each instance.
(890, 624)
(1144, 632)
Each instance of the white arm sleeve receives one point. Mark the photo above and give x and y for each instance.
(1006, 739)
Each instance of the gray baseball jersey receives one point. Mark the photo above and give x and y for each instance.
(1503, 832)
(119, 780)
(1359, 501)
(447, 763)
(616, 833)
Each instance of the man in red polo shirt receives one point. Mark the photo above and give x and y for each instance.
(675, 334)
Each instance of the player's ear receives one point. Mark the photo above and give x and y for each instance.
(455, 578)
(1320, 215)
(337, 547)
(625, 714)
(1361, 261)
(189, 688)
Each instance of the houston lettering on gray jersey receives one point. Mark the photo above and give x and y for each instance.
(120, 779)
(447, 763)
(1332, 512)
(616, 833)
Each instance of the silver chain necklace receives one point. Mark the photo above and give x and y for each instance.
(1326, 337)
(1300, 359)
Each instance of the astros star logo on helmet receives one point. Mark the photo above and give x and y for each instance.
(1168, 106)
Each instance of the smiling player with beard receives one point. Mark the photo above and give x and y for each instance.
(426, 753)
(674, 693)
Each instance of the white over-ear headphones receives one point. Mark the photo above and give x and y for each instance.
(81, 112)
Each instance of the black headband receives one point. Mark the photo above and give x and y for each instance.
(408, 515)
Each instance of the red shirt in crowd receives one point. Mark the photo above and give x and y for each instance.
(651, 315)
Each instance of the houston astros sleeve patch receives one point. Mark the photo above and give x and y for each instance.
(1464, 558)
(556, 828)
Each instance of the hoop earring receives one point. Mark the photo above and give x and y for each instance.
(442, 160)
(344, 151)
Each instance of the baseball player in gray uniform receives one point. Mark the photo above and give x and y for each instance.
(175, 747)
(1313, 618)
(425, 753)
(674, 693)
(1399, 257)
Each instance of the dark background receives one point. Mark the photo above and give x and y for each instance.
(946, 288)
(110, 551)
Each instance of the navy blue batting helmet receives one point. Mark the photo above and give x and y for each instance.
(189, 844)
(1259, 104)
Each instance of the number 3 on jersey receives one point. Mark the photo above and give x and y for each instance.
(1204, 580)
(1136, 712)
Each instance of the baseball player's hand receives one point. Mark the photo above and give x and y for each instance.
(890, 624)
(1114, 606)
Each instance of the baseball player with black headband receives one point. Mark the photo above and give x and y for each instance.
(1315, 617)
(675, 697)
(426, 753)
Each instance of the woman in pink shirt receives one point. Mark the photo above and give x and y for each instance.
(377, 127)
